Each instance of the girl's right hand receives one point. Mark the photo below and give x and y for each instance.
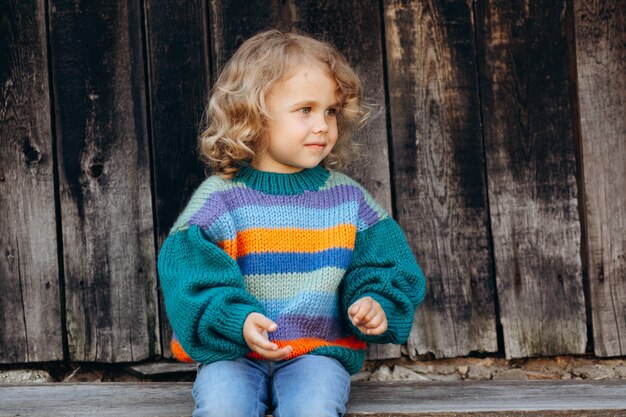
(255, 330)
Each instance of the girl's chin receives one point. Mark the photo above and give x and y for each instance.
(288, 167)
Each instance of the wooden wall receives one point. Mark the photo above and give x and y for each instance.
(500, 147)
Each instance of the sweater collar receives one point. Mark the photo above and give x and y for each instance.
(310, 179)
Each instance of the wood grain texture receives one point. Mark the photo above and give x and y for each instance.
(355, 29)
(104, 168)
(232, 22)
(439, 169)
(373, 399)
(178, 62)
(531, 172)
(30, 303)
(601, 67)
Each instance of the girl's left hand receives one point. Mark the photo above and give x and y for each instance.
(368, 316)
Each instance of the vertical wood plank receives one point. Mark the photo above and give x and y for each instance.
(601, 60)
(531, 172)
(439, 170)
(30, 304)
(104, 169)
(354, 27)
(231, 23)
(178, 65)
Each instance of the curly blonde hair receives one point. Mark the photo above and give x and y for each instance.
(233, 124)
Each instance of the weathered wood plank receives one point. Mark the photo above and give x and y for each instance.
(231, 23)
(479, 398)
(531, 172)
(483, 396)
(30, 303)
(178, 62)
(439, 171)
(104, 167)
(354, 28)
(151, 370)
(178, 58)
(601, 59)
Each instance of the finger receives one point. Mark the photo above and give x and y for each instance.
(374, 321)
(364, 308)
(277, 355)
(283, 353)
(265, 323)
(362, 329)
(354, 308)
(370, 315)
(366, 331)
(261, 341)
(382, 328)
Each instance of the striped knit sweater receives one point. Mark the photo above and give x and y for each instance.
(299, 248)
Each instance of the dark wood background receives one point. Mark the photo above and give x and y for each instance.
(500, 147)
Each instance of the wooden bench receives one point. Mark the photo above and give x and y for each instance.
(381, 399)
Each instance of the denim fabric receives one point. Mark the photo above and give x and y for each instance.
(309, 385)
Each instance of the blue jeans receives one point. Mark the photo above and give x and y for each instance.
(308, 385)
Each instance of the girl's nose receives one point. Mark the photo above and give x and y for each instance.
(321, 125)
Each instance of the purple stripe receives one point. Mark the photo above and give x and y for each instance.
(292, 327)
(366, 213)
(223, 201)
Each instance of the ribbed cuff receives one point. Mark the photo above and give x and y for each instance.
(231, 324)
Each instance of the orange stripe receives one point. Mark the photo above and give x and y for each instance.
(179, 353)
(230, 247)
(306, 345)
(260, 240)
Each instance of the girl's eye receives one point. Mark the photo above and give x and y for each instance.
(305, 110)
(331, 112)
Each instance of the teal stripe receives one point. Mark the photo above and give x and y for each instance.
(352, 360)
(264, 286)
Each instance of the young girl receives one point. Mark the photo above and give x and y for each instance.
(280, 268)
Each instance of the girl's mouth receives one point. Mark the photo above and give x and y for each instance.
(315, 146)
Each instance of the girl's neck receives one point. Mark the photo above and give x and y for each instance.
(310, 179)
(260, 165)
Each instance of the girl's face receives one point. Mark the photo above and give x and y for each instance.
(302, 129)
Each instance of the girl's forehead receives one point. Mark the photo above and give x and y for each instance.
(306, 84)
(301, 76)
(307, 66)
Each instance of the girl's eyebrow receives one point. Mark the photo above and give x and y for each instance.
(306, 102)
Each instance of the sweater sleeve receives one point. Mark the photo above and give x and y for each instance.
(205, 295)
(384, 268)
